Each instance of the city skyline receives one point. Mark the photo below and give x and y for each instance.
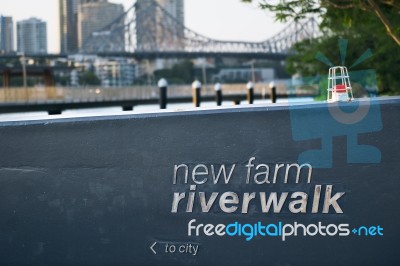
(239, 22)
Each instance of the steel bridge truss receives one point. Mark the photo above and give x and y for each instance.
(148, 28)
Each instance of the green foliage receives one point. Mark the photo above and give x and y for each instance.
(291, 9)
(180, 73)
(355, 22)
(385, 11)
(89, 78)
(363, 32)
(18, 81)
(62, 80)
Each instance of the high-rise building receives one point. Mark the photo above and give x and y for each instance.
(6, 34)
(68, 25)
(95, 15)
(32, 36)
(68, 11)
(160, 28)
(175, 8)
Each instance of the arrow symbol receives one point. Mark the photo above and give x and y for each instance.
(152, 247)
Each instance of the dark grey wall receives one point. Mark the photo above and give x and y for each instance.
(98, 191)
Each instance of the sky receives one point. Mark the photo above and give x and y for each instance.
(217, 19)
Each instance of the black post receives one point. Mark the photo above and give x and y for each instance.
(163, 85)
(250, 92)
(218, 94)
(236, 101)
(54, 112)
(273, 92)
(127, 108)
(196, 86)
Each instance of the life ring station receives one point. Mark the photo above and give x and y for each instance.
(339, 87)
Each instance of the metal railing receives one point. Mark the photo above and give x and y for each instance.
(97, 93)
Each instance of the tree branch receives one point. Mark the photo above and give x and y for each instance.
(346, 6)
(391, 3)
(385, 21)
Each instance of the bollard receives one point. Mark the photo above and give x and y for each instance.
(54, 112)
(196, 86)
(127, 108)
(273, 92)
(218, 93)
(250, 92)
(163, 85)
(236, 101)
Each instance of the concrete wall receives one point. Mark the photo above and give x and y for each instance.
(101, 191)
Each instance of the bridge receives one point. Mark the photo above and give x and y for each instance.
(136, 33)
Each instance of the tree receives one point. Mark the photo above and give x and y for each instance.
(180, 73)
(89, 78)
(387, 11)
(362, 29)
